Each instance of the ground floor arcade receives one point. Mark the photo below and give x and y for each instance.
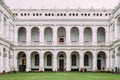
(61, 61)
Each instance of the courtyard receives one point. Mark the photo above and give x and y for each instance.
(60, 76)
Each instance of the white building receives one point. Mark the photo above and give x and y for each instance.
(59, 39)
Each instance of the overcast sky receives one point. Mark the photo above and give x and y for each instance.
(61, 3)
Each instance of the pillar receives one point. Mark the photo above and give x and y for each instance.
(116, 57)
(28, 35)
(116, 30)
(1, 59)
(55, 61)
(41, 35)
(55, 35)
(81, 35)
(107, 34)
(28, 66)
(2, 25)
(81, 60)
(41, 65)
(7, 61)
(15, 61)
(68, 36)
(94, 35)
(8, 29)
(68, 61)
(94, 60)
(107, 61)
(16, 30)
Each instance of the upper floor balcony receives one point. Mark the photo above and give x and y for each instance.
(62, 36)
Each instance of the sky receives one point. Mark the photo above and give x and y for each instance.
(61, 4)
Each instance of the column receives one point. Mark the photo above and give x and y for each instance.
(55, 61)
(68, 61)
(7, 61)
(94, 60)
(81, 60)
(1, 59)
(15, 34)
(55, 35)
(2, 25)
(28, 35)
(107, 35)
(116, 57)
(81, 35)
(41, 35)
(107, 61)
(7, 31)
(116, 30)
(41, 65)
(94, 35)
(111, 58)
(28, 66)
(68, 36)
(15, 61)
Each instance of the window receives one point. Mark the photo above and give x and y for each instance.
(49, 60)
(86, 60)
(73, 60)
(36, 60)
(21, 14)
(33, 14)
(36, 14)
(88, 14)
(106, 14)
(61, 39)
(76, 14)
(101, 14)
(99, 56)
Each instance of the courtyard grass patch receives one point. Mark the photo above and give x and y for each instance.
(59, 76)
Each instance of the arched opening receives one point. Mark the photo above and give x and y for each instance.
(74, 61)
(22, 35)
(48, 35)
(61, 61)
(74, 35)
(101, 61)
(101, 35)
(22, 61)
(35, 35)
(87, 35)
(35, 61)
(48, 61)
(88, 61)
(61, 34)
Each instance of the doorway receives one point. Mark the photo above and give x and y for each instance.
(61, 65)
(22, 62)
(99, 64)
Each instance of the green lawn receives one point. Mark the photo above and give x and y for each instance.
(60, 76)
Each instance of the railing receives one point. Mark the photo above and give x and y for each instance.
(86, 43)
